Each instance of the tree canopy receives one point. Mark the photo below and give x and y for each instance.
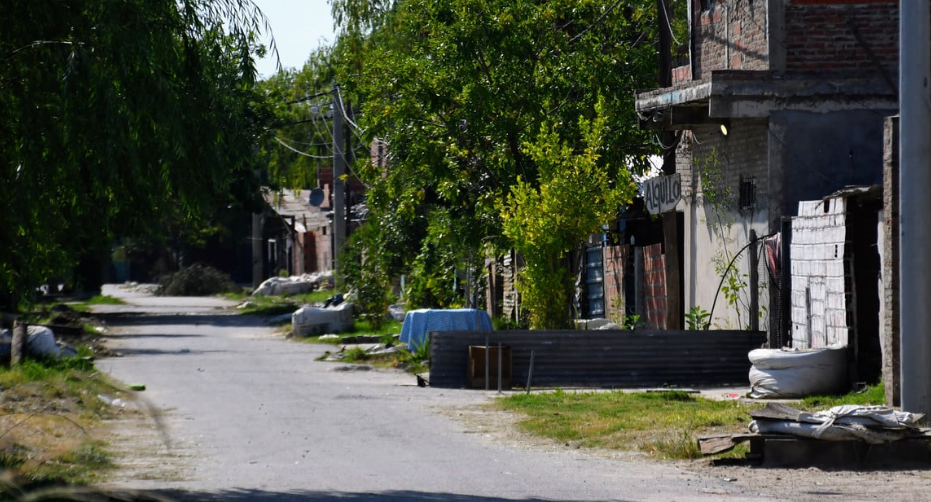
(115, 115)
(509, 124)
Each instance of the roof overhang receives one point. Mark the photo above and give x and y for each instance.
(739, 94)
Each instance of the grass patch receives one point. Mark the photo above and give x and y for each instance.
(362, 327)
(277, 305)
(871, 395)
(102, 300)
(664, 424)
(84, 307)
(50, 416)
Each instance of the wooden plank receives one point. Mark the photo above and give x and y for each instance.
(720, 443)
(673, 269)
(776, 411)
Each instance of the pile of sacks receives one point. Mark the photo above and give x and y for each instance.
(40, 344)
(295, 285)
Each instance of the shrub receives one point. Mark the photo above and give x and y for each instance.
(196, 280)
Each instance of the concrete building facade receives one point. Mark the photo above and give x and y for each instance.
(782, 101)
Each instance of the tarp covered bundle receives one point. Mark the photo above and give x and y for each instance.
(417, 323)
(873, 424)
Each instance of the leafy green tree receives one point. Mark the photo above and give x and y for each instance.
(460, 91)
(115, 117)
(573, 196)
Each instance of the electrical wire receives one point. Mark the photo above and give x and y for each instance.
(296, 142)
(597, 21)
(305, 154)
(342, 109)
(671, 34)
(307, 98)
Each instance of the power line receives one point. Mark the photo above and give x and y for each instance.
(305, 154)
(307, 98)
(597, 21)
(342, 110)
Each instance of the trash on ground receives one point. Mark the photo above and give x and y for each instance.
(40, 343)
(305, 283)
(873, 424)
(112, 401)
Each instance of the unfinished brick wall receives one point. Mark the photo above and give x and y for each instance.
(819, 311)
(615, 261)
(730, 35)
(842, 35)
(742, 155)
(654, 287)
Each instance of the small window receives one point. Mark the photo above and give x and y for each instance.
(707, 5)
(747, 193)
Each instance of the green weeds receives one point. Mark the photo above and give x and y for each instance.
(664, 424)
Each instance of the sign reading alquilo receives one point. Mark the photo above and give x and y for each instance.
(661, 194)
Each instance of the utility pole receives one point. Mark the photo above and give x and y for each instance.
(339, 186)
(915, 204)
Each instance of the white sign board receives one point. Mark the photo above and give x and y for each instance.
(661, 194)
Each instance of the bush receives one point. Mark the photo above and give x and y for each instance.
(196, 280)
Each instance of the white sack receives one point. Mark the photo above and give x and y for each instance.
(308, 321)
(40, 342)
(780, 373)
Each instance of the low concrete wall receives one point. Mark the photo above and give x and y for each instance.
(621, 359)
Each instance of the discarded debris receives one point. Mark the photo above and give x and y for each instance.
(308, 321)
(298, 284)
(873, 424)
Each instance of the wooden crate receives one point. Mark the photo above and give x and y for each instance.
(475, 375)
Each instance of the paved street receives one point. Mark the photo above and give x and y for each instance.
(248, 415)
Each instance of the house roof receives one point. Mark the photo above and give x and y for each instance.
(739, 94)
(295, 203)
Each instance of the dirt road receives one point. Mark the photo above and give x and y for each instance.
(246, 415)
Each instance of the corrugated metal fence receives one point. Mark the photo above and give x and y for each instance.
(641, 358)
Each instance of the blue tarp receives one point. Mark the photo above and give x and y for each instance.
(417, 323)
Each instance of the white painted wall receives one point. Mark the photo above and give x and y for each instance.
(702, 246)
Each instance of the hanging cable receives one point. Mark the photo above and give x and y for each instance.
(342, 110)
(305, 154)
(728, 269)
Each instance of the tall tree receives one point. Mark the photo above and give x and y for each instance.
(460, 90)
(114, 115)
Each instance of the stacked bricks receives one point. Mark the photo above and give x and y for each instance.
(615, 260)
(818, 283)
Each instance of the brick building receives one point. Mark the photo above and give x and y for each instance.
(782, 101)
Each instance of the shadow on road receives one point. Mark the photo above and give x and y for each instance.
(159, 352)
(154, 319)
(307, 495)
